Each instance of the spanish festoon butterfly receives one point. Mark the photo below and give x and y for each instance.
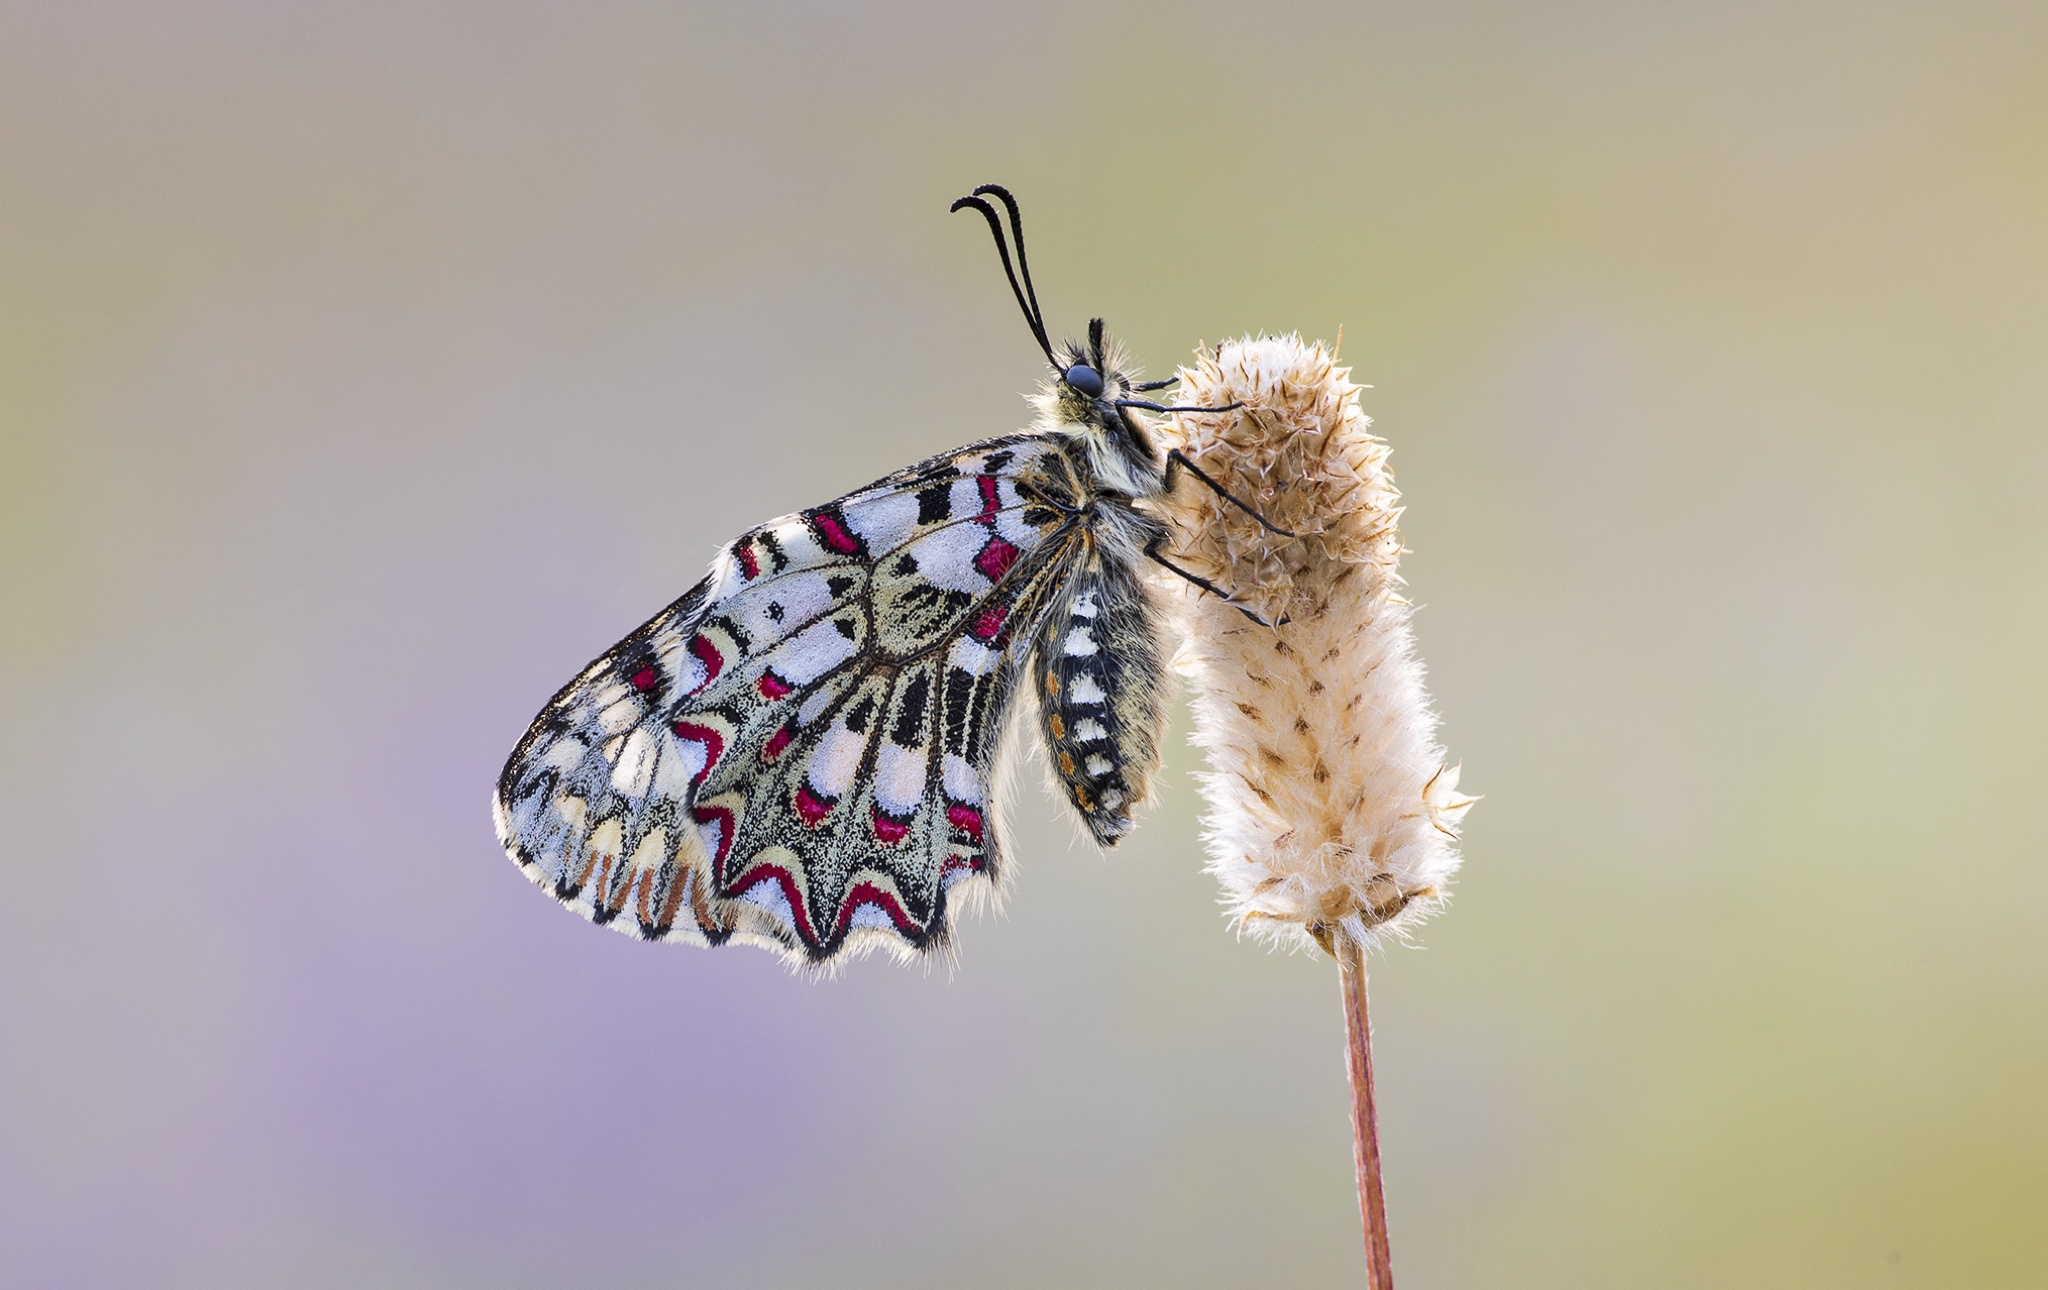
(801, 751)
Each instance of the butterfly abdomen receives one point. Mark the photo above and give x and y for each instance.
(1100, 677)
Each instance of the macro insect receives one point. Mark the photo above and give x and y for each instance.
(801, 752)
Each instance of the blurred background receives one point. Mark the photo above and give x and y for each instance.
(365, 369)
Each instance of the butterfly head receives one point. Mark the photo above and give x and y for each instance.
(1092, 394)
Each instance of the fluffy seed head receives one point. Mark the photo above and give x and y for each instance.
(1332, 809)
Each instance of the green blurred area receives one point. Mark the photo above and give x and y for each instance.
(1712, 343)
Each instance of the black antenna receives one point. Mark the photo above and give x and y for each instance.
(1002, 195)
(1027, 298)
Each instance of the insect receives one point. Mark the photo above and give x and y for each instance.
(801, 752)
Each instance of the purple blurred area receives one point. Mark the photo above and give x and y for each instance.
(365, 370)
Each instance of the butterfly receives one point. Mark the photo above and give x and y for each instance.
(801, 752)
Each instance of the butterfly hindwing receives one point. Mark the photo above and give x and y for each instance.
(799, 751)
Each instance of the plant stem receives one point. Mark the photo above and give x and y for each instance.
(1365, 1129)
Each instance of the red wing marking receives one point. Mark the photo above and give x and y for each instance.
(708, 655)
(772, 686)
(644, 679)
(990, 502)
(722, 817)
(714, 745)
(777, 874)
(748, 560)
(835, 533)
(776, 743)
(966, 819)
(866, 893)
(810, 807)
(995, 559)
(989, 622)
(889, 830)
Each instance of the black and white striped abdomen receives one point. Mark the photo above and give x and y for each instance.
(1100, 676)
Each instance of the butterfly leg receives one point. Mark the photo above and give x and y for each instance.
(1152, 552)
(1178, 460)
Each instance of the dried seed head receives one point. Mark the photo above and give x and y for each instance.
(1332, 811)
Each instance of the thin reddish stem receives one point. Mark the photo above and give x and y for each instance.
(1365, 1128)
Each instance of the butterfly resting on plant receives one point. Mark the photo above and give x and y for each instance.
(801, 752)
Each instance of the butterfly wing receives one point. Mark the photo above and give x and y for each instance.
(592, 769)
(799, 752)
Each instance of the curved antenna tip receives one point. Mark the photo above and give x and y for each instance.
(1027, 295)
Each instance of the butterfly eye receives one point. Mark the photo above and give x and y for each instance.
(1085, 379)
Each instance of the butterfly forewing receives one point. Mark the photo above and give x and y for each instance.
(800, 751)
(573, 788)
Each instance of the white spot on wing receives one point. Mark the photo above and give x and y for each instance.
(811, 653)
(572, 810)
(563, 753)
(800, 597)
(605, 839)
(691, 675)
(963, 500)
(636, 765)
(727, 575)
(962, 784)
(1088, 730)
(618, 709)
(1083, 689)
(945, 558)
(799, 544)
(767, 893)
(835, 760)
(1097, 765)
(882, 522)
(710, 833)
(691, 754)
(971, 657)
(1079, 644)
(653, 849)
(670, 779)
(1084, 605)
(869, 914)
(815, 706)
(899, 778)
(1022, 535)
